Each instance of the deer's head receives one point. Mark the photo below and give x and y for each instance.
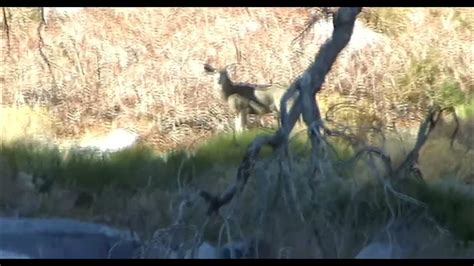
(222, 75)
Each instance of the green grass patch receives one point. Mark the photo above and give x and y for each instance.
(391, 21)
(130, 168)
(450, 202)
(465, 111)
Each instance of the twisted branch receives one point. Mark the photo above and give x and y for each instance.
(426, 128)
(308, 84)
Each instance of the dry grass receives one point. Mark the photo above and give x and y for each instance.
(24, 122)
(142, 67)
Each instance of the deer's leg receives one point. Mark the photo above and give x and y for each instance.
(240, 121)
(277, 118)
(237, 127)
(261, 120)
(243, 119)
(237, 123)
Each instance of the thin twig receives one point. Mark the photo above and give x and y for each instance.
(44, 57)
(7, 29)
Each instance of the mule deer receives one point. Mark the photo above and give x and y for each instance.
(245, 98)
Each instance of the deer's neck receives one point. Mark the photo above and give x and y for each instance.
(227, 86)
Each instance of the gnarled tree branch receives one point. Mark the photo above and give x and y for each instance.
(426, 128)
(308, 84)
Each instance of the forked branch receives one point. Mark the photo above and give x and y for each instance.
(308, 84)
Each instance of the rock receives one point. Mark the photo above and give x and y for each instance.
(407, 236)
(241, 249)
(244, 249)
(4, 254)
(64, 238)
(376, 251)
(205, 251)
